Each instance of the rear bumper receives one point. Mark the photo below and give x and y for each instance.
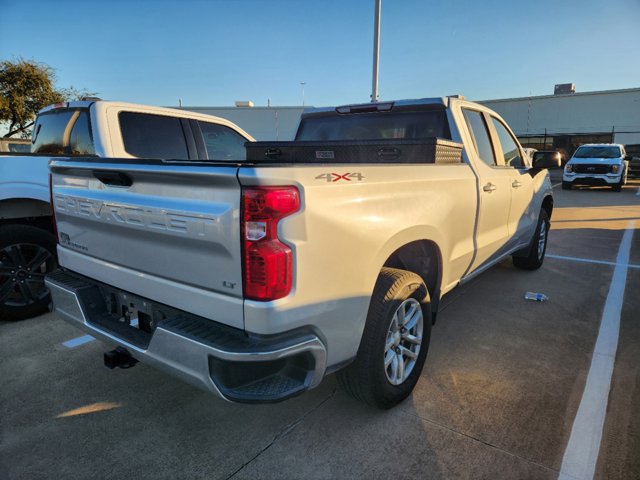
(228, 362)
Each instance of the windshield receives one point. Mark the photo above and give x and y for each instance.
(398, 125)
(597, 152)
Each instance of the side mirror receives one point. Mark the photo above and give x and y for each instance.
(547, 161)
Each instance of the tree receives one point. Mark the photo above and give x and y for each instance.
(26, 86)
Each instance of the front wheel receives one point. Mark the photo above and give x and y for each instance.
(623, 180)
(394, 343)
(27, 253)
(538, 247)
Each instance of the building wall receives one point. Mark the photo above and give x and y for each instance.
(614, 111)
(568, 120)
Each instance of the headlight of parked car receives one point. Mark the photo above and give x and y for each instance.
(614, 168)
(568, 168)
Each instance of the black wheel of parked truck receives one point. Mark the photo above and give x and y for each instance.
(27, 253)
(538, 247)
(394, 343)
(623, 181)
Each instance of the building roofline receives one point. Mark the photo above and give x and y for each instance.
(535, 97)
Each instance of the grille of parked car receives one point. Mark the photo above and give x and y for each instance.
(589, 168)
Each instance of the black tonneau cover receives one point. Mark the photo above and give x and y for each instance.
(431, 150)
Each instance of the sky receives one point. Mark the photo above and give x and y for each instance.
(214, 52)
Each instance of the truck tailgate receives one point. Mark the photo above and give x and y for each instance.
(167, 231)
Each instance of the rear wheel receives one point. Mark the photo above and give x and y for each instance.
(394, 343)
(27, 253)
(538, 247)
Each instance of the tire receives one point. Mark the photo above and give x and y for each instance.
(538, 248)
(566, 185)
(623, 180)
(368, 379)
(27, 253)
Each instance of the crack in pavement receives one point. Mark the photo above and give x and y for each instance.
(471, 437)
(290, 427)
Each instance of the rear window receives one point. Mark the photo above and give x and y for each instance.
(393, 125)
(153, 136)
(48, 132)
(63, 132)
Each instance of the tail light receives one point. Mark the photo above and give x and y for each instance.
(267, 262)
(53, 209)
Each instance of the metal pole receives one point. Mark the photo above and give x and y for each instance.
(376, 52)
(303, 84)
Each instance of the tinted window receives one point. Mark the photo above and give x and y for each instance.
(399, 125)
(48, 132)
(153, 136)
(19, 147)
(597, 152)
(510, 149)
(81, 140)
(222, 143)
(480, 136)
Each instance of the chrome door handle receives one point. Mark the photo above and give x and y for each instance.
(489, 187)
(516, 184)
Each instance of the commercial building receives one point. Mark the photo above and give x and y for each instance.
(564, 122)
(550, 122)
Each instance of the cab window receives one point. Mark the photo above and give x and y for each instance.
(81, 139)
(222, 143)
(153, 136)
(480, 135)
(510, 149)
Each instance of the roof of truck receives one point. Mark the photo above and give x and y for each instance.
(172, 112)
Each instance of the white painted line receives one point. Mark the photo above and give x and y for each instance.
(588, 260)
(76, 342)
(556, 184)
(581, 454)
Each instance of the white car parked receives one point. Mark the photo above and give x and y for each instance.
(604, 164)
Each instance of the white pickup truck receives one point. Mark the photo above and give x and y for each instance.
(86, 128)
(254, 278)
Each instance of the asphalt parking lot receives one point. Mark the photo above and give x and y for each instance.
(503, 383)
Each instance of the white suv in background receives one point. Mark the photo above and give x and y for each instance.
(603, 164)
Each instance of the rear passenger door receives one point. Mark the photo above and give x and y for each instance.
(492, 235)
(522, 217)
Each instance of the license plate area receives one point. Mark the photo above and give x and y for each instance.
(129, 317)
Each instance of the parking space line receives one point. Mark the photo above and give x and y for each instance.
(76, 342)
(556, 184)
(581, 454)
(588, 260)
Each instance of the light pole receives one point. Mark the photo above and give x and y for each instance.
(302, 84)
(376, 52)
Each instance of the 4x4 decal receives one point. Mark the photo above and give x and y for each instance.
(336, 177)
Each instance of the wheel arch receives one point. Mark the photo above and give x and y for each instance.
(26, 211)
(424, 258)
